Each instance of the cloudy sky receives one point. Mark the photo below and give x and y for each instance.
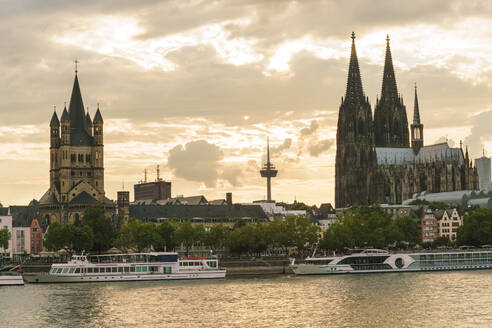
(196, 86)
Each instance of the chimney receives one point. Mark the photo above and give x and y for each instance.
(229, 198)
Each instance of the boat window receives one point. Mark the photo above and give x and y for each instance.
(120, 269)
(96, 270)
(132, 269)
(71, 270)
(153, 269)
(90, 270)
(212, 264)
(77, 270)
(139, 269)
(363, 259)
(144, 269)
(197, 263)
(167, 270)
(108, 269)
(114, 269)
(52, 271)
(65, 270)
(59, 270)
(127, 269)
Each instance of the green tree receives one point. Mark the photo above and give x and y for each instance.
(167, 233)
(476, 229)
(187, 235)
(242, 240)
(101, 226)
(404, 230)
(146, 236)
(216, 237)
(81, 237)
(56, 237)
(127, 235)
(4, 238)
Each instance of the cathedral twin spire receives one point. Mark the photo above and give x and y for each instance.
(390, 125)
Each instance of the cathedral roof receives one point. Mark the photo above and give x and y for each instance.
(79, 134)
(54, 120)
(432, 153)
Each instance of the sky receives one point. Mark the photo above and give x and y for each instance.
(197, 86)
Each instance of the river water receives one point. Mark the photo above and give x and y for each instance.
(437, 299)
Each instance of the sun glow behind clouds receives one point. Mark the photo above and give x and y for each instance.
(118, 37)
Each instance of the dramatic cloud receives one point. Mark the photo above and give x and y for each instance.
(217, 77)
(196, 161)
(317, 148)
(232, 175)
(311, 129)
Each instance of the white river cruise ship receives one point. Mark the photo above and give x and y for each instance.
(129, 267)
(376, 260)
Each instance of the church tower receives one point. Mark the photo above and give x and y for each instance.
(417, 127)
(390, 115)
(76, 164)
(355, 158)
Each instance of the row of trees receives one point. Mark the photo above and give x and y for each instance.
(95, 233)
(242, 238)
(371, 226)
(476, 229)
(365, 227)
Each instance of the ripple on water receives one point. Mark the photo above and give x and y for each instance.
(376, 300)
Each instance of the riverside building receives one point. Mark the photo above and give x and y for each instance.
(376, 161)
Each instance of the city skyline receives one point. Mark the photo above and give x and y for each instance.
(199, 91)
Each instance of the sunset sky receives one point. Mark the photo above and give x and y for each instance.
(197, 86)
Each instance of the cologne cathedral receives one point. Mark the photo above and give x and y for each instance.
(376, 162)
(76, 164)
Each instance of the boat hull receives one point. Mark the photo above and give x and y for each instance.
(11, 280)
(48, 278)
(303, 269)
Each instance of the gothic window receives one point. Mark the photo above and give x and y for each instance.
(81, 158)
(87, 158)
(73, 158)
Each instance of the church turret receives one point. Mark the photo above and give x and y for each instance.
(355, 158)
(65, 127)
(98, 150)
(54, 131)
(417, 127)
(390, 115)
(89, 122)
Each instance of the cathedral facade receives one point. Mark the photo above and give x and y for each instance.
(376, 161)
(76, 164)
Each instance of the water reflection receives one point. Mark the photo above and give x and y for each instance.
(375, 300)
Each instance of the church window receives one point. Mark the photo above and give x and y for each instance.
(80, 173)
(87, 158)
(72, 158)
(81, 158)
